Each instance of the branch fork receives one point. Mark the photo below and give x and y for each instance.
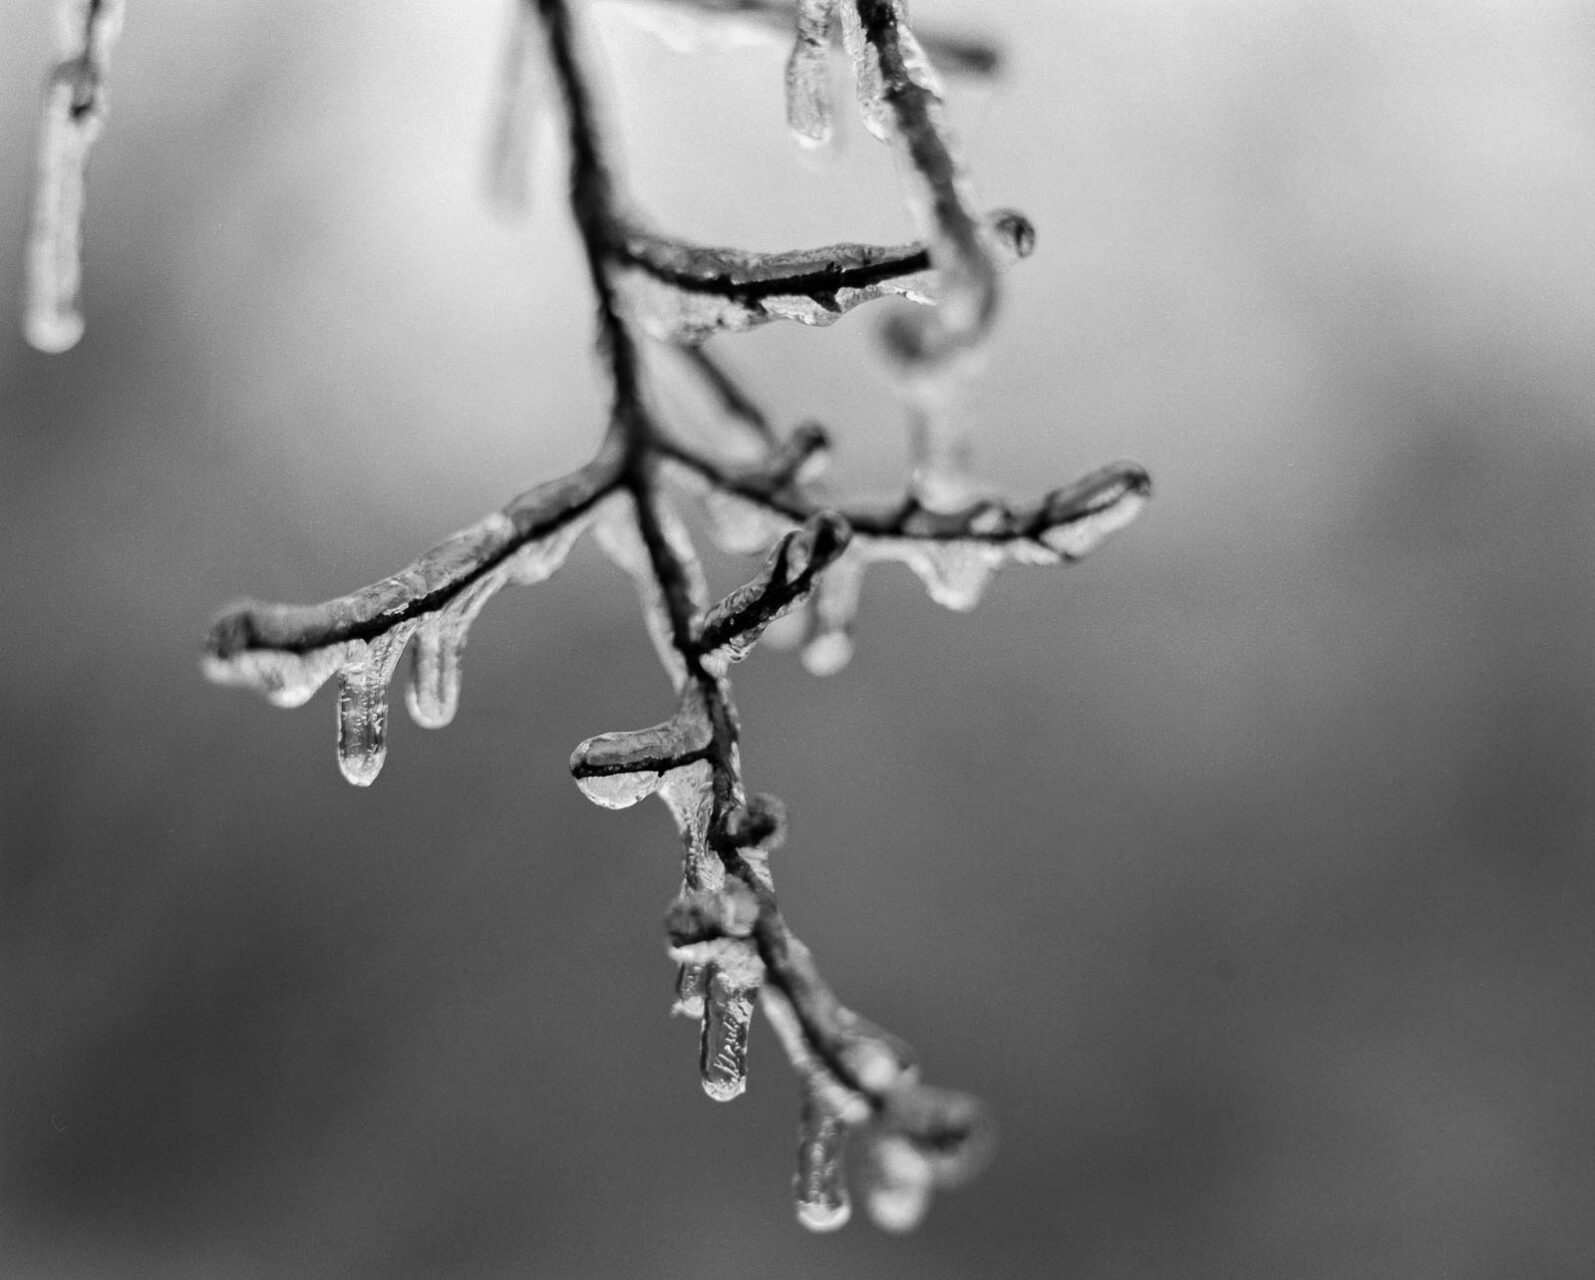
(727, 934)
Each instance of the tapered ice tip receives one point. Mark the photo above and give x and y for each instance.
(821, 1216)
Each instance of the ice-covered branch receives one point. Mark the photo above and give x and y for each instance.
(683, 293)
(73, 115)
(726, 931)
(287, 651)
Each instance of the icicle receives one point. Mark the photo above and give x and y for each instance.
(819, 1186)
(808, 73)
(833, 608)
(53, 319)
(616, 770)
(727, 1017)
(433, 693)
(868, 84)
(363, 703)
(72, 117)
(520, 114)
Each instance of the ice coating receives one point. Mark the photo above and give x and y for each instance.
(616, 770)
(790, 572)
(808, 73)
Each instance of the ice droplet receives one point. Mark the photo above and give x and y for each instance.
(363, 703)
(808, 74)
(727, 1018)
(819, 1186)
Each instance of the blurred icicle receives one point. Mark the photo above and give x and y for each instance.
(522, 113)
(72, 118)
(808, 74)
(900, 99)
(617, 534)
(819, 1185)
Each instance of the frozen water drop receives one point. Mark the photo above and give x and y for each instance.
(618, 790)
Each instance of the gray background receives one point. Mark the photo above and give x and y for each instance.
(1245, 868)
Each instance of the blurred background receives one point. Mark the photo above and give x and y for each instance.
(1246, 868)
